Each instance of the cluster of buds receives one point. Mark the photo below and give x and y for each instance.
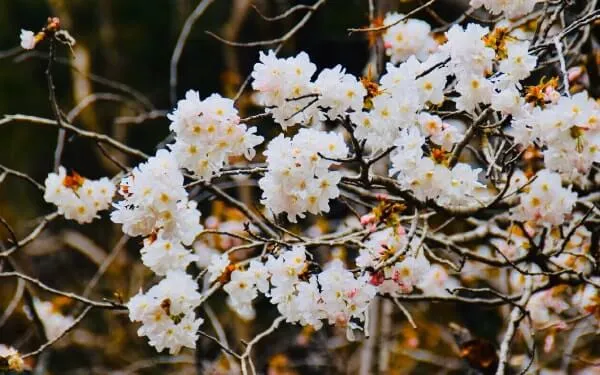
(545, 92)
(385, 212)
(29, 39)
(73, 181)
(497, 40)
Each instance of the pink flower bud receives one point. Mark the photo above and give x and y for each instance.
(367, 219)
(574, 74)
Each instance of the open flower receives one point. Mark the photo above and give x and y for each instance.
(28, 39)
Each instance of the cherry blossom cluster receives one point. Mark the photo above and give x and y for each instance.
(299, 179)
(510, 8)
(403, 92)
(381, 245)
(546, 201)
(166, 312)
(156, 205)
(474, 52)
(208, 133)
(567, 127)
(428, 178)
(396, 115)
(76, 197)
(407, 39)
(335, 294)
(285, 89)
(482, 67)
(401, 268)
(397, 139)
(155, 202)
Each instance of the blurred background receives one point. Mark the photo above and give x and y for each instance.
(122, 54)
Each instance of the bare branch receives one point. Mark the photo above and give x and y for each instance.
(32, 236)
(385, 27)
(281, 39)
(47, 344)
(80, 132)
(91, 303)
(181, 40)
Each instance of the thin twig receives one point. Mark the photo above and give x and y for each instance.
(385, 27)
(242, 207)
(60, 142)
(14, 302)
(105, 264)
(80, 132)
(49, 343)
(181, 40)
(405, 312)
(516, 316)
(104, 305)
(281, 39)
(283, 15)
(246, 355)
(32, 236)
(23, 176)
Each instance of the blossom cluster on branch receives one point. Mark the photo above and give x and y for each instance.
(466, 171)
